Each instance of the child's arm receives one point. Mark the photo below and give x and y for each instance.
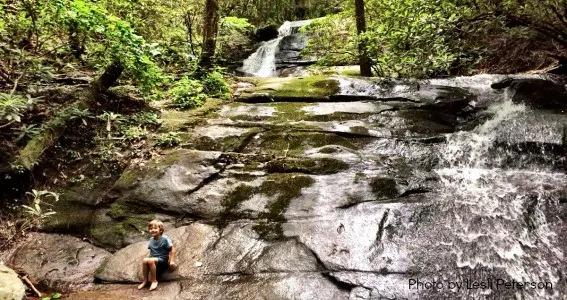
(171, 257)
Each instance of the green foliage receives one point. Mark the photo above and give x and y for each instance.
(233, 39)
(134, 133)
(35, 210)
(85, 29)
(414, 38)
(174, 44)
(52, 296)
(111, 119)
(82, 114)
(215, 85)
(333, 40)
(235, 23)
(12, 106)
(187, 93)
(168, 140)
(263, 12)
(28, 131)
(145, 118)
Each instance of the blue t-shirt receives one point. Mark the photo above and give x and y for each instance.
(160, 248)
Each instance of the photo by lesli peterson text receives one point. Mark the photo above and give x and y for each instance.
(469, 284)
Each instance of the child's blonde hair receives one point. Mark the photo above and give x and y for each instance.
(157, 223)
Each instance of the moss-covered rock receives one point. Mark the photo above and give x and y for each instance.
(175, 120)
(307, 165)
(311, 88)
(292, 143)
(359, 130)
(283, 188)
(328, 150)
(383, 187)
(240, 194)
(120, 225)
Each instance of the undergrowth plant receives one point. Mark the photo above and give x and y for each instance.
(12, 107)
(187, 93)
(35, 211)
(168, 140)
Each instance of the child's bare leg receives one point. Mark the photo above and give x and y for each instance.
(145, 271)
(153, 267)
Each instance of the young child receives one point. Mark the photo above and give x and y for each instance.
(161, 254)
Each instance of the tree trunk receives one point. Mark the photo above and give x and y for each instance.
(32, 152)
(363, 59)
(210, 30)
(108, 78)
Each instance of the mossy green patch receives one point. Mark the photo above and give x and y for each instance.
(231, 143)
(119, 211)
(153, 168)
(317, 86)
(358, 176)
(328, 150)
(383, 187)
(118, 224)
(240, 194)
(70, 217)
(284, 187)
(282, 142)
(338, 116)
(350, 72)
(244, 176)
(289, 111)
(307, 165)
(174, 120)
(359, 130)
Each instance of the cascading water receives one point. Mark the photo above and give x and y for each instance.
(496, 214)
(262, 63)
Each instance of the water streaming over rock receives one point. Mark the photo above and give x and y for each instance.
(262, 63)
(497, 213)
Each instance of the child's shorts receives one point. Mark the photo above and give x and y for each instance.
(161, 266)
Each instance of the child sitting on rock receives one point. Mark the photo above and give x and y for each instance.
(161, 254)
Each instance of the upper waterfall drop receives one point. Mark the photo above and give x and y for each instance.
(262, 63)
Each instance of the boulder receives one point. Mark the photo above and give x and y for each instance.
(11, 287)
(239, 250)
(535, 93)
(167, 182)
(289, 51)
(57, 262)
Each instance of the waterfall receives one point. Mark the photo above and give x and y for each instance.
(496, 214)
(262, 63)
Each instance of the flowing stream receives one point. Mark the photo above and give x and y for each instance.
(496, 214)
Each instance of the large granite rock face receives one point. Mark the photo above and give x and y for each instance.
(57, 262)
(535, 93)
(11, 287)
(348, 189)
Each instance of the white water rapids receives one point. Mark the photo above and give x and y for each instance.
(495, 216)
